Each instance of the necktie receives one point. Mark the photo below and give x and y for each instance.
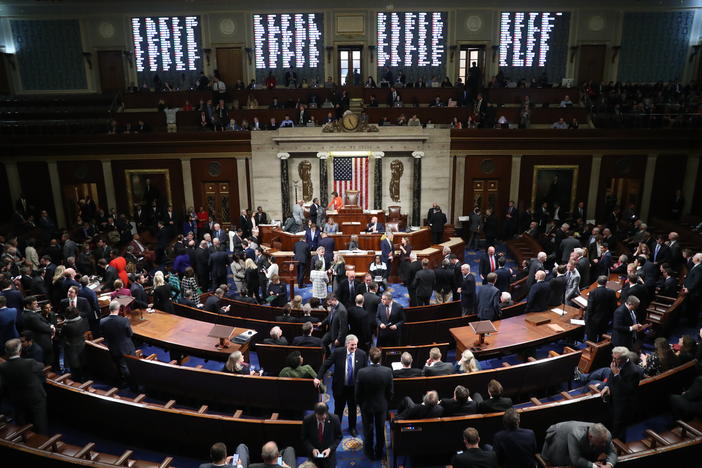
(492, 263)
(349, 369)
(633, 316)
(351, 289)
(387, 312)
(655, 254)
(320, 431)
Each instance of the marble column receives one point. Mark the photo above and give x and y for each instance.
(323, 178)
(284, 184)
(648, 186)
(378, 180)
(417, 193)
(690, 182)
(187, 183)
(594, 186)
(514, 179)
(56, 192)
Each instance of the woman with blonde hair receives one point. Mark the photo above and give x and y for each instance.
(235, 365)
(56, 292)
(467, 363)
(162, 293)
(338, 269)
(251, 279)
(296, 303)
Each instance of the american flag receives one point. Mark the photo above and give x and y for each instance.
(352, 174)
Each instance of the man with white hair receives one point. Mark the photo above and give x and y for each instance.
(583, 265)
(624, 324)
(578, 444)
(621, 388)
(467, 290)
(506, 300)
(22, 383)
(117, 332)
(539, 294)
(276, 337)
(693, 289)
(536, 265)
(298, 216)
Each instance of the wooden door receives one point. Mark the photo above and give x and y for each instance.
(485, 194)
(229, 65)
(591, 63)
(219, 201)
(111, 70)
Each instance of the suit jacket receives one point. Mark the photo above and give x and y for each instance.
(312, 238)
(558, 290)
(301, 252)
(117, 332)
(338, 359)
(386, 250)
(82, 305)
(438, 368)
(475, 458)
(693, 281)
(515, 448)
(625, 385)
(495, 405)
(534, 266)
(566, 247)
(218, 263)
(406, 372)
(583, 267)
(640, 291)
(621, 334)
(669, 287)
(397, 316)
(468, 289)
(539, 295)
(328, 244)
(663, 255)
(379, 227)
(424, 282)
(359, 324)
(443, 279)
(315, 258)
(421, 411)
(601, 304)
(307, 341)
(572, 284)
(485, 267)
(488, 302)
(504, 278)
(14, 299)
(567, 444)
(8, 325)
(212, 304)
(453, 408)
(141, 299)
(338, 322)
(437, 221)
(331, 436)
(41, 328)
(22, 380)
(370, 304)
(374, 388)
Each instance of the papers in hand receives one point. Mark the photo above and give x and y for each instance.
(577, 322)
(581, 301)
(559, 311)
(397, 365)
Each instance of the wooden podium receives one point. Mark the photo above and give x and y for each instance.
(481, 328)
(224, 333)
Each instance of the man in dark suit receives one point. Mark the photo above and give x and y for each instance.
(424, 283)
(8, 322)
(218, 264)
(270, 456)
(414, 266)
(693, 289)
(337, 322)
(141, 299)
(14, 297)
(635, 287)
(321, 257)
(213, 302)
(473, 456)
(467, 290)
(460, 405)
(328, 244)
(406, 370)
(660, 253)
(43, 330)
(371, 299)
(312, 236)
(539, 294)
(245, 224)
(321, 434)
(488, 263)
(624, 324)
(117, 332)
(675, 250)
(347, 361)
(389, 318)
(22, 382)
(622, 386)
(219, 459)
(375, 226)
(359, 323)
(558, 287)
(437, 223)
(668, 285)
(535, 265)
(496, 402)
(219, 233)
(73, 299)
(348, 289)
(435, 366)
(566, 247)
(202, 260)
(488, 300)
(301, 253)
(601, 304)
(604, 263)
(374, 390)
(429, 408)
(306, 339)
(515, 447)
(504, 275)
(583, 266)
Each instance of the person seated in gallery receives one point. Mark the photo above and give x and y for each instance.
(496, 402)
(330, 227)
(298, 370)
(235, 365)
(375, 226)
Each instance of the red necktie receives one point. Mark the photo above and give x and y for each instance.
(320, 431)
(492, 263)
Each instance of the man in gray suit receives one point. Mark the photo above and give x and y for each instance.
(298, 216)
(572, 282)
(578, 444)
(435, 366)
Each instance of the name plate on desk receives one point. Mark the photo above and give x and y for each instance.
(351, 223)
(539, 319)
(464, 219)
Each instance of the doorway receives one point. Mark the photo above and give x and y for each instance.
(485, 194)
(623, 192)
(350, 65)
(229, 65)
(591, 63)
(471, 65)
(111, 66)
(218, 201)
(73, 193)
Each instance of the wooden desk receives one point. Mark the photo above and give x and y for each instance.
(186, 335)
(516, 333)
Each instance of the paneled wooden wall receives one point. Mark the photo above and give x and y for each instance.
(584, 163)
(175, 171)
(217, 171)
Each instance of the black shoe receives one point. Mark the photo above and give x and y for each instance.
(353, 432)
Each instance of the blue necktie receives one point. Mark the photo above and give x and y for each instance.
(349, 369)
